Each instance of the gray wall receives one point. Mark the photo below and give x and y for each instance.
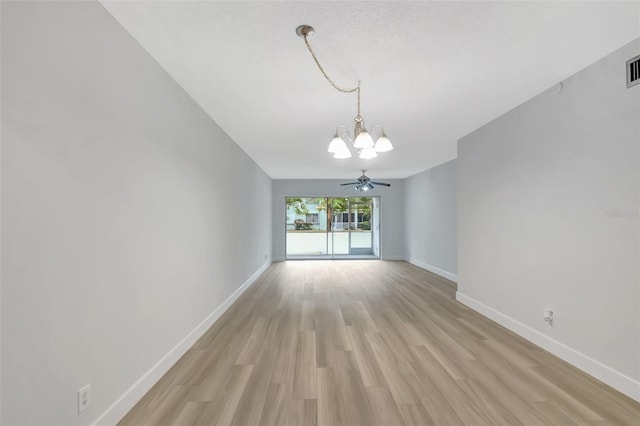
(430, 218)
(128, 215)
(548, 198)
(391, 204)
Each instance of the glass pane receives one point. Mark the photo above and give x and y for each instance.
(340, 225)
(324, 227)
(361, 239)
(306, 226)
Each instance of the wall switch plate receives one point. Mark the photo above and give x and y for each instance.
(84, 398)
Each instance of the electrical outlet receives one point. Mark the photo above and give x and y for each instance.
(265, 256)
(549, 316)
(84, 398)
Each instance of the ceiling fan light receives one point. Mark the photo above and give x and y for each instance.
(383, 144)
(342, 152)
(364, 140)
(364, 183)
(368, 153)
(336, 144)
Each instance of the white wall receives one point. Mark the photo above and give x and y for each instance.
(538, 189)
(128, 215)
(391, 204)
(430, 218)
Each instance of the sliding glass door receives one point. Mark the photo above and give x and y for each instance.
(306, 227)
(339, 226)
(361, 241)
(332, 227)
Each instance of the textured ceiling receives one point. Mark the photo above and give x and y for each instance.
(431, 71)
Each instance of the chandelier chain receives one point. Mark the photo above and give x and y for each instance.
(361, 140)
(326, 76)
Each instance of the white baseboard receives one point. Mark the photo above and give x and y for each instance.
(600, 371)
(384, 257)
(122, 405)
(434, 269)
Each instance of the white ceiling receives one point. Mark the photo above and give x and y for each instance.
(431, 71)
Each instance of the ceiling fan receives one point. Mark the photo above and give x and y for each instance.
(364, 183)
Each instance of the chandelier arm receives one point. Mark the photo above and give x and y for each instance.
(376, 131)
(335, 86)
(363, 142)
(358, 98)
(344, 134)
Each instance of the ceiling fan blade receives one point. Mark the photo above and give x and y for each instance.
(349, 183)
(381, 183)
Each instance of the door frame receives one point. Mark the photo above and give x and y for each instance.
(330, 230)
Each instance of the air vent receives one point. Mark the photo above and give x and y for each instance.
(633, 71)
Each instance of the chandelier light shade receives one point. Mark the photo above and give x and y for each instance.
(362, 141)
(342, 154)
(383, 144)
(336, 144)
(368, 152)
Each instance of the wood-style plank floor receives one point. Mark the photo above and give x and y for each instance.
(369, 343)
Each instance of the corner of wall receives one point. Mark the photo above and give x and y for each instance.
(130, 398)
(445, 274)
(600, 371)
(392, 257)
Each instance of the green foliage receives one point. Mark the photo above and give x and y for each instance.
(358, 205)
(300, 205)
(321, 203)
(297, 205)
(340, 205)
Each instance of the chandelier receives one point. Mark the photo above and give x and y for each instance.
(362, 141)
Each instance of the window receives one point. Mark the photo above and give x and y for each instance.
(312, 218)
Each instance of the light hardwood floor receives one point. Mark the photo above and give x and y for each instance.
(369, 343)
